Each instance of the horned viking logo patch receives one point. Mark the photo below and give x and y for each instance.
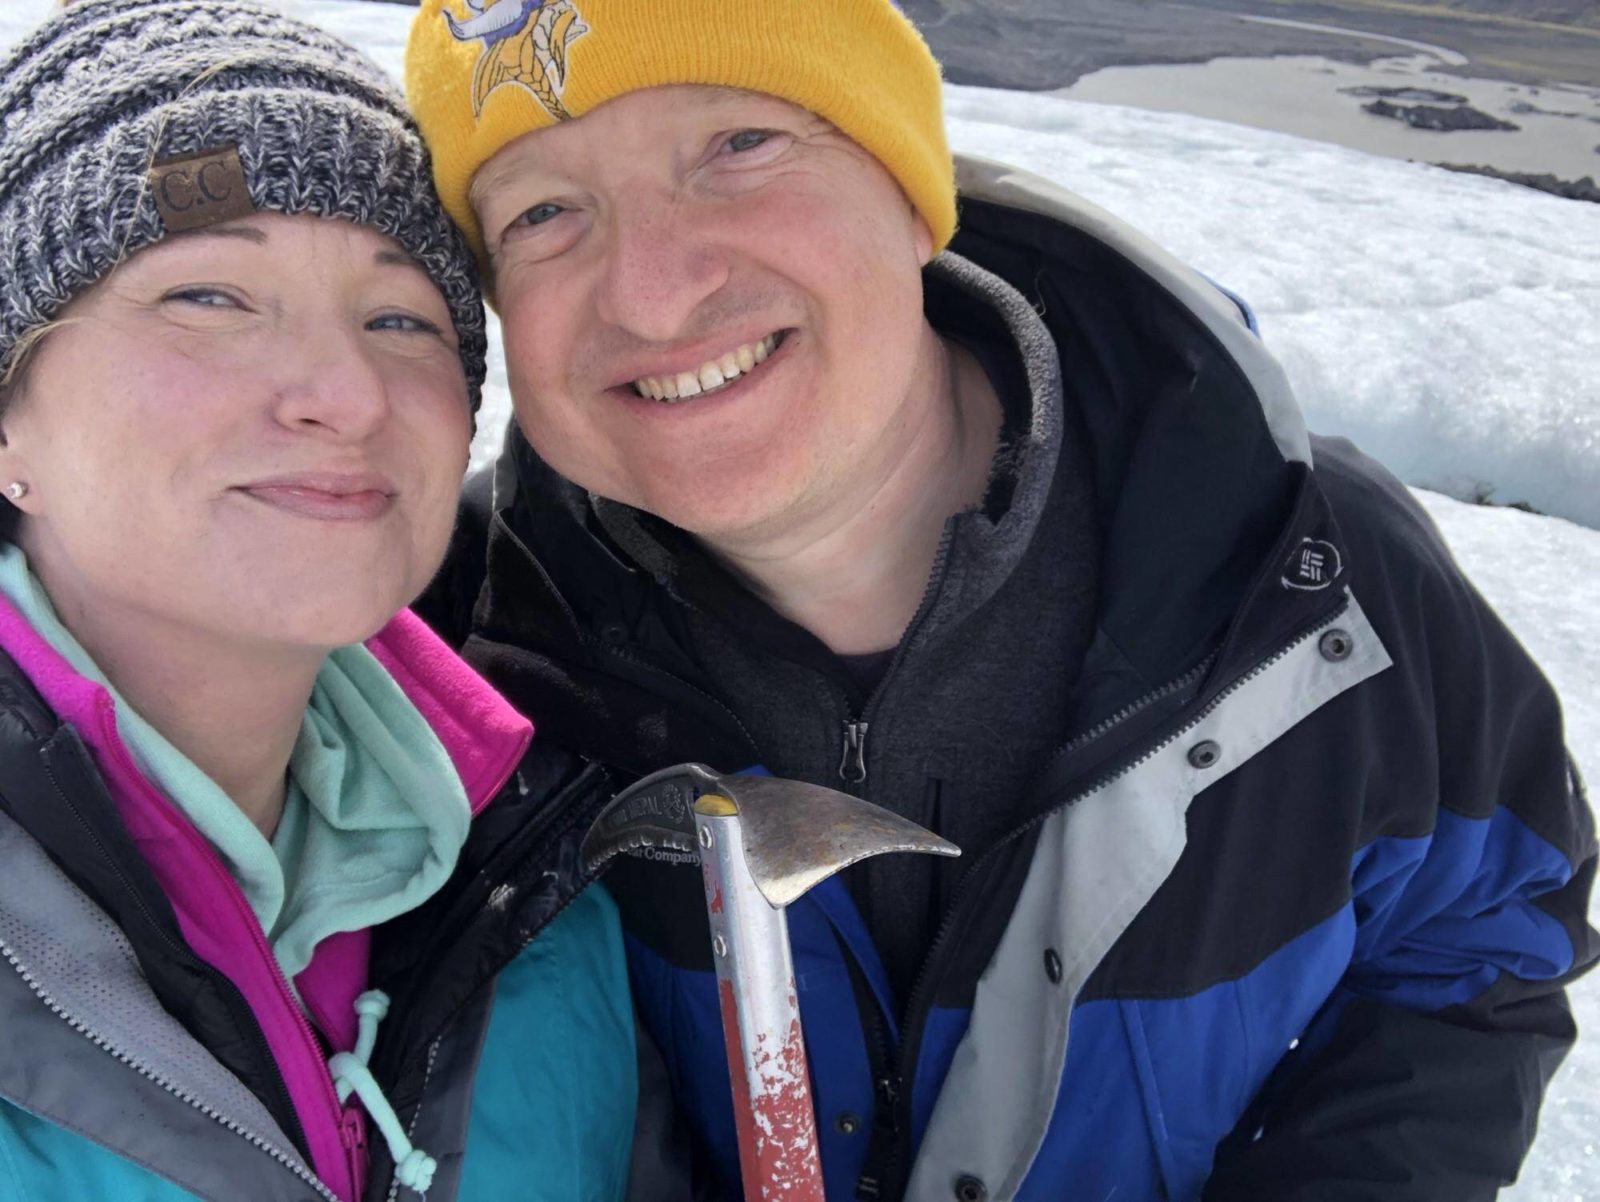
(524, 43)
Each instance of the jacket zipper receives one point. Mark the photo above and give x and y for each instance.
(416, 1115)
(853, 759)
(183, 954)
(1132, 710)
(152, 1075)
(353, 1135)
(912, 1028)
(886, 1123)
(853, 763)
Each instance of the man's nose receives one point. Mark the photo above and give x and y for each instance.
(660, 266)
(330, 384)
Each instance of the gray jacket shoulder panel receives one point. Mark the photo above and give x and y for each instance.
(84, 1044)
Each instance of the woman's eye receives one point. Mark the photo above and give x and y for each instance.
(539, 214)
(209, 298)
(404, 322)
(748, 139)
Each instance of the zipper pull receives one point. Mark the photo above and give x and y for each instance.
(883, 1145)
(853, 764)
(887, 1111)
(353, 1135)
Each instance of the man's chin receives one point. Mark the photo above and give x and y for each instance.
(721, 506)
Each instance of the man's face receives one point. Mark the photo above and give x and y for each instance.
(712, 304)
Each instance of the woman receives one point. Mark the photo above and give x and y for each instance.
(288, 907)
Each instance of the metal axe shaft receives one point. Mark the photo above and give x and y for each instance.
(772, 1108)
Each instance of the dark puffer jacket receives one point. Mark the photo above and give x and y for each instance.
(1289, 882)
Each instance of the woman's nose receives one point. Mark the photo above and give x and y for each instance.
(330, 383)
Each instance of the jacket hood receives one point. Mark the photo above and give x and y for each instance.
(1215, 315)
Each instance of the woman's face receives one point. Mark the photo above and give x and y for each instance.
(251, 432)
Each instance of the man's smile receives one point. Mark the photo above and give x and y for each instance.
(712, 375)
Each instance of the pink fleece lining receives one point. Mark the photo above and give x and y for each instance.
(485, 739)
(484, 735)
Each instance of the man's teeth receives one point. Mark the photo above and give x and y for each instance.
(712, 374)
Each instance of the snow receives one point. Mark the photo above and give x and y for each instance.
(1448, 324)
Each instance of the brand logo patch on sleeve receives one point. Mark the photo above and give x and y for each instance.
(1313, 565)
(196, 190)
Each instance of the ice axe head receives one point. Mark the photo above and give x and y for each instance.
(795, 835)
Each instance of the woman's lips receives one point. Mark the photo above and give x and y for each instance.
(326, 498)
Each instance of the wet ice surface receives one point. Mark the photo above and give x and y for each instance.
(1450, 325)
(1558, 126)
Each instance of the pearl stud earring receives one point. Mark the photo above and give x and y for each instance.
(16, 490)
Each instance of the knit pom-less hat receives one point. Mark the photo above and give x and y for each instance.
(122, 121)
(481, 73)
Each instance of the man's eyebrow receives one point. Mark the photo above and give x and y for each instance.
(727, 92)
(485, 179)
(717, 95)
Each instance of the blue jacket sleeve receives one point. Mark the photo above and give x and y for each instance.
(1421, 1079)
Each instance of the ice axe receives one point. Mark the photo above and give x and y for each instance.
(761, 842)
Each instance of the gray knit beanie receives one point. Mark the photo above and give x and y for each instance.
(124, 120)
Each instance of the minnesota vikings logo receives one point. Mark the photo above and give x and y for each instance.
(524, 42)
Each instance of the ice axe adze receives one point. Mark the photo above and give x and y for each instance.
(761, 842)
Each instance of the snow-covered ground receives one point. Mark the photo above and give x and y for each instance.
(1448, 324)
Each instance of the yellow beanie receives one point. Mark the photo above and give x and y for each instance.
(481, 73)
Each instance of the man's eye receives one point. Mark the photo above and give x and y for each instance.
(540, 214)
(748, 139)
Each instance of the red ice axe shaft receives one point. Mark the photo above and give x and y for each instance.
(761, 842)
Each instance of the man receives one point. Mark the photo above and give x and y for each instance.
(1274, 863)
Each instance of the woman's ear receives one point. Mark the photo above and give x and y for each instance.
(16, 476)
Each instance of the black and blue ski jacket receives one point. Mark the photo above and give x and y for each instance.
(1289, 901)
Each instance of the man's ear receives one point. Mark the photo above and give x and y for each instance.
(486, 281)
(923, 237)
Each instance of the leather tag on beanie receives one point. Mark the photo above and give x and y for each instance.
(196, 190)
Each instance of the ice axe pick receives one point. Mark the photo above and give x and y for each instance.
(761, 842)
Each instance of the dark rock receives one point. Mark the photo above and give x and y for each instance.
(1438, 118)
(1522, 106)
(1569, 189)
(1483, 494)
(1427, 95)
